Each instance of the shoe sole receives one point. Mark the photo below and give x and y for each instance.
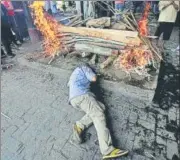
(115, 156)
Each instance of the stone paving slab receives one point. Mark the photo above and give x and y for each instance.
(35, 98)
(41, 121)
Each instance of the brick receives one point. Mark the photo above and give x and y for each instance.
(172, 115)
(149, 153)
(73, 152)
(139, 157)
(161, 121)
(18, 121)
(20, 131)
(147, 125)
(165, 134)
(7, 155)
(4, 124)
(133, 117)
(9, 131)
(161, 141)
(142, 115)
(151, 118)
(56, 156)
(11, 144)
(160, 151)
(172, 149)
(130, 141)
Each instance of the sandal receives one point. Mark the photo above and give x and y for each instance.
(115, 153)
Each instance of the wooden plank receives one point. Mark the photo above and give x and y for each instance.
(128, 37)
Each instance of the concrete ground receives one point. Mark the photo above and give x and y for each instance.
(37, 119)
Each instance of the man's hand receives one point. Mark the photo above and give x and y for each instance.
(94, 79)
(176, 7)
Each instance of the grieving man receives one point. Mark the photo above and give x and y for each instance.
(81, 98)
(167, 18)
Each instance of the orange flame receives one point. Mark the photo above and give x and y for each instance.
(48, 27)
(134, 58)
(143, 30)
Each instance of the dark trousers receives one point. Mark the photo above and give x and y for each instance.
(2, 52)
(6, 38)
(7, 45)
(164, 28)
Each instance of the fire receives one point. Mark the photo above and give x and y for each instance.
(48, 27)
(143, 21)
(134, 58)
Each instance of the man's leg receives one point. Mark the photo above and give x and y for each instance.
(95, 110)
(80, 125)
(158, 32)
(92, 108)
(86, 121)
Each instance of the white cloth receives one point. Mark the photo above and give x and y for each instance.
(168, 14)
(78, 6)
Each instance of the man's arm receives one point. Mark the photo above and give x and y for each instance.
(176, 6)
(164, 4)
(90, 75)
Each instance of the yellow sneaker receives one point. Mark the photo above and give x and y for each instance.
(77, 135)
(115, 153)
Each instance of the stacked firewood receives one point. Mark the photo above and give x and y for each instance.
(127, 49)
(112, 43)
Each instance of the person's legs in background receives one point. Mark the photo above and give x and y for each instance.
(2, 53)
(7, 44)
(158, 33)
(156, 10)
(168, 28)
(120, 8)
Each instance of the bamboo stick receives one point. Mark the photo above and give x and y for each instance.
(93, 59)
(108, 61)
(68, 18)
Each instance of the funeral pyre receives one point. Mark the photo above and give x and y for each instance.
(130, 50)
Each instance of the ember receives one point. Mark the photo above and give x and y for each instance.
(134, 58)
(48, 28)
(143, 21)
